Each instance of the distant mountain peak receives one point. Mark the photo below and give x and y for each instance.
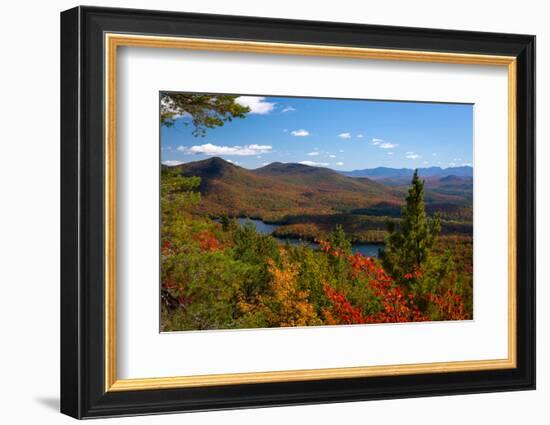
(216, 160)
(453, 178)
(209, 168)
(379, 173)
(283, 167)
(293, 170)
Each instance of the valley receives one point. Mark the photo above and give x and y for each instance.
(308, 202)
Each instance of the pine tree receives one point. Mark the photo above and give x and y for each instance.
(340, 250)
(339, 241)
(409, 244)
(203, 110)
(225, 222)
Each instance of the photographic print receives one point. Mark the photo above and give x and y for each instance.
(293, 211)
(201, 210)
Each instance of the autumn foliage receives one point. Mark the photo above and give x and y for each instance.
(208, 241)
(285, 304)
(396, 305)
(225, 275)
(450, 306)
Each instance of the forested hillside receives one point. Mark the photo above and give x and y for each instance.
(222, 275)
(309, 201)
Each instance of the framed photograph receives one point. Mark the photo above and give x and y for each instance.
(261, 212)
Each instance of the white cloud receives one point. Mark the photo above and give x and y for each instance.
(425, 163)
(257, 104)
(390, 153)
(412, 155)
(434, 154)
(313, 153)
(288, 109)
(339, 164)
(332, 156)
(383, 144)
(467, 164)
(344, 135)
(233, 162)
(210, 149)
(300, 133)
(265, 163)
(341, 151)
(359, 136)
(314, 164)
(171, 163)
(452, 164)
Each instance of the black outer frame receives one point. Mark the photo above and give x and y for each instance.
(82, 208)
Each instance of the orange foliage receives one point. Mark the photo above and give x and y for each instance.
(397, 304)
(341, 312)
(208, 241)
(450, 306)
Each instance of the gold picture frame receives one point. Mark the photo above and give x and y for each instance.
(91, 40)
(114, 41)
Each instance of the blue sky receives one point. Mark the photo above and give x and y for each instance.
(332, 133)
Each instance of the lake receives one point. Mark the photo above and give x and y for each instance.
(368, 249)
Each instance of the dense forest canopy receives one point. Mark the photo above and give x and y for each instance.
(223, 275)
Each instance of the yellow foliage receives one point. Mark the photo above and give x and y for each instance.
(284, 305)
(289, 305)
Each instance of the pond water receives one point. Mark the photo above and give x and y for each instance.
(261, 227)
(369, 249)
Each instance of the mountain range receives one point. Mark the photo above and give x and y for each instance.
(281, 190)
(380, 173)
